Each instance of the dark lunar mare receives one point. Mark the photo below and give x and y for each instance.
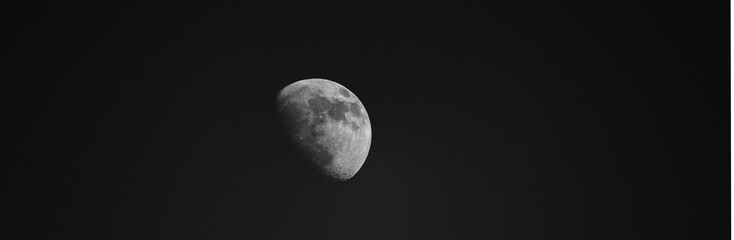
(355, 109)
(336, 110)
(344, 92)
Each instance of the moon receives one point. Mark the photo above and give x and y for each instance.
(328, 123)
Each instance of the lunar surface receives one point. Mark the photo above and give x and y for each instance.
(328, 123)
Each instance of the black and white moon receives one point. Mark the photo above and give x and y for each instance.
(328, 123)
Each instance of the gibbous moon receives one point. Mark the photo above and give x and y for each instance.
(329, 125)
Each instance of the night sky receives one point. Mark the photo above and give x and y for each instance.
(512, 120)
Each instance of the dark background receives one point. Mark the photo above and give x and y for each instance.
(571, 120)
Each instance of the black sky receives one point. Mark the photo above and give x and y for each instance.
(572, 120)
